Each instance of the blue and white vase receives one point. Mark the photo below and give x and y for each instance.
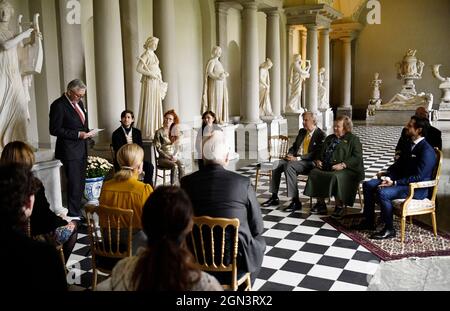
(92, 189)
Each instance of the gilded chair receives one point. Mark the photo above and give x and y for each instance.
(159, 168)
(110, 233)
(278, 149)
(412, 207)
(214, 243)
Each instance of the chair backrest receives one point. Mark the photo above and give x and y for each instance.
(214, 243)
(278, 147)
(436, 172)
(111, 232)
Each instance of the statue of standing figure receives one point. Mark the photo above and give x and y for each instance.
(18, 61)
(265, 107)
(322, 91)
(153, 90)
(298, 73)
(215, 92)
(375, 99)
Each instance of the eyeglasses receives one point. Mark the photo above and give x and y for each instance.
(79, 96)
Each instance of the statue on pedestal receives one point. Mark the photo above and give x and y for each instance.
(408, 70)
(444, 86)
(18, 62)
(298, 73)
(265, 108)
(153, 90)
(375, 99)
(322, 91)
(215, 92)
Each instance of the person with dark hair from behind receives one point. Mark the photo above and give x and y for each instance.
(43, 222)
(209, 125)
(28, 265)
(217, 192)
(415, 165)
(126, 133)
(165, 263)
(433, 136)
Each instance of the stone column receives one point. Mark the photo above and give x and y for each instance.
(250, 66)
(324, 49)
(273, 52)
(222, 31)
(109, 66)
(303, 43)
(346, 92)
(311, 83)
(164, 29)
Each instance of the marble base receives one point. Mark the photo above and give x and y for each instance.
(276, 126)
(348, 111)
(229, 131)
(252, 141)
(443, 115)
(294, 123)
(393, 117)
(49, 174)
(326, 117)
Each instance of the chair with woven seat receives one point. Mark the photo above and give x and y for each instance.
(278, 149)
(412, 207)
(110, 233)
(214, 243)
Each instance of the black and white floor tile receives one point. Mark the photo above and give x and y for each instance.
(303, 252)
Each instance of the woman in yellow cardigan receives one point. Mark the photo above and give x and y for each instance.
(125, 191)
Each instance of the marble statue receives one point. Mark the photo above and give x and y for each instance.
(375, 98)
(444, 86)
(403, 102)
(153, 90)
(408, 70)
(265, 108)
(298, 73)
(215, 93)
(322, 91)
(17, 60)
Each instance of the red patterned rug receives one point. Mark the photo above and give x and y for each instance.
(419, 239)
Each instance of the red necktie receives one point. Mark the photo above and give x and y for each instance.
(77, 109)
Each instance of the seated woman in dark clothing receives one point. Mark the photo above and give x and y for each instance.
(44, 224)
(127, 134)
(339, 170)
(209, 125)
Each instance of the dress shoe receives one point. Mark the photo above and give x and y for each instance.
(271, 201)
(364, 225)
(383, 234)
(338, 213)
(294, 206)
(320, 208)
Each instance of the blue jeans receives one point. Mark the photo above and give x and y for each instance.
(383, 195)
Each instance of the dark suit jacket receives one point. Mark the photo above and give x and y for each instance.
(119, 139)
(434, 138)
(65, 124)
(216, 192)
(315, 145)
(414, 166)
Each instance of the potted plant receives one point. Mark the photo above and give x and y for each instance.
(97, 169)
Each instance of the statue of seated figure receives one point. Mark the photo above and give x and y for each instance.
(404, 102)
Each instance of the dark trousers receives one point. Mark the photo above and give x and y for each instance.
(75, 171)
(291, 170)
(148, 169)
(383, 195)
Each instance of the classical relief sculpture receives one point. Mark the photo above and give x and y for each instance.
(265, 108)
(18, 61)
(375, 99)
(298, 72)
(444, 86)
(215, 93)
(322, 91)
(153, 90)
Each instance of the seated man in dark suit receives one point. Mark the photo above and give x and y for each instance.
(433, 137)
(415, 165)
(127, 134)
(216, 192)
(304, 151)
(28, 264)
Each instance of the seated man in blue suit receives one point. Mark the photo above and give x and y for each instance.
(415, 165)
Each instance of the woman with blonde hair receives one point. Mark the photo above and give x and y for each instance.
(125, 191)
(43, 223)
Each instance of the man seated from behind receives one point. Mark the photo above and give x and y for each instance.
(217, 192)
(304, 151)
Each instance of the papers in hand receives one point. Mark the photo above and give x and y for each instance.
(95, 132)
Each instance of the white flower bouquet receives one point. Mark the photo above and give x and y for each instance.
(97, 167)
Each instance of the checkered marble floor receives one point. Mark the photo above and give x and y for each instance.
(303, 252)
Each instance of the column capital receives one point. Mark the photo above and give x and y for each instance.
(222, 8)
(252, 5)
(272, 12)
(319, 14)
(311, 27)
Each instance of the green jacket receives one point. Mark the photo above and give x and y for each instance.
(348, 151)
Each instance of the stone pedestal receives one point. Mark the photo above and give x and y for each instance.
(344, 111)
(326, 119)
(252, 141)
(185, 147)
(393, 117)
(49, 174)
(276, 126)
(229, 131)
(294, 122)
(444, 114)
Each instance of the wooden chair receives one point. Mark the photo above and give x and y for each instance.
(412, 207)
(160, 168)
(110, 237)
(278, 149)
(214, 243)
